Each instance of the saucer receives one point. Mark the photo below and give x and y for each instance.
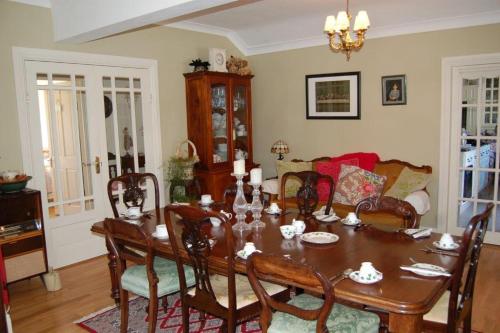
(278, 212)
(371, 279)
(241, 254)
(452, 246)
(155, 235)
(346, 222)
(321, 211)
(327, 218)
(205, 204)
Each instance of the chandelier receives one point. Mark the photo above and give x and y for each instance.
(340, 27)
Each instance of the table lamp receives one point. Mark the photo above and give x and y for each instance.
(280, 147)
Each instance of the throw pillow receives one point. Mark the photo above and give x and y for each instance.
(408, 182)
(367, 161)
(292, 183)
(356, 184)
(331, 169)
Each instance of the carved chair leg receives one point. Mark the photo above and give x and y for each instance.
(112, 265)
(468, 323)
(123, 311)
(185, 317)
(152, 314)
(164, 303)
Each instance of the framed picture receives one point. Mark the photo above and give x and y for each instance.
(333, 96)
(394, 90)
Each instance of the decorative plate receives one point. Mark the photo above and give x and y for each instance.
(424, 266)
(155, 235)
(318, 237)
(346, 222)
(327, 218)
(278, 212)
(371, 278)
(452, 246)
(241, 254)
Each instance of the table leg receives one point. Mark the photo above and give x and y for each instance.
(115, 289)
(405, 323)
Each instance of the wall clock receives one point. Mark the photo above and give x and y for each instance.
(217, 59)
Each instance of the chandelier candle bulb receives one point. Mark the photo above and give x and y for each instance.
(343, 20)
(362, 21)
(330, 23)
(239, 167)
(256, 176)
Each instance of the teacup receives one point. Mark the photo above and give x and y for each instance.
(215, 221)
(351, 217)
(228, 215)
(249, 249)
(288, 231)
(206, 199)
(299, 225)
(9, 175)
(134, 211)
(161, 230)
(274, 208)
(446, 240)
(367, 272)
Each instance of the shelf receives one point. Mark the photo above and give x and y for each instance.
(20, 236)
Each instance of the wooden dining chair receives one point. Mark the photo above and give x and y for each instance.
(227, 296)
(133, 195)
(151, 277)
(307, 195)
(391, 205)
(304, 313)
(455, 306)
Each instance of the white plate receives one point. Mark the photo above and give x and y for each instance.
(321, 211)
(428, 266)
(356, 278)
(452, 246)
(205, 204)
(241, 254)
(272, 213)
(155, 235)
(318, 237)
(346, 222)
(327, 218)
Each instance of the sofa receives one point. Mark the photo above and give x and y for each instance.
(390, 169)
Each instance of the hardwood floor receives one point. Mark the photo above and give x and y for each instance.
(86, 290)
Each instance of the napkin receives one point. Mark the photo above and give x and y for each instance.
(422, 270)
(418, 233)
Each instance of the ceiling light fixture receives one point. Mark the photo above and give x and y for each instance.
(340, 26)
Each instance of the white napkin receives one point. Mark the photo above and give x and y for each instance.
(423, 270)
(418, 233)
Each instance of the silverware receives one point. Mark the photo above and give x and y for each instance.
(445, 253)
(345, 274)
(413, 260)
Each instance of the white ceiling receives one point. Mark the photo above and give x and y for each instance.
(262, 26)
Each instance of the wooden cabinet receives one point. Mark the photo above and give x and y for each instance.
(22, 237)
(219, 119)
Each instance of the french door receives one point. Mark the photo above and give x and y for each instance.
(87, 125)
(474, 156)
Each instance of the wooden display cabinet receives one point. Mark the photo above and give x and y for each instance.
(219, 120)
(22, 237)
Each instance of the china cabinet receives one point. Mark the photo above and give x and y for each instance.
(219, 120)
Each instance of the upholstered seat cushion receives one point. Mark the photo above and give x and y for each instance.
(342, 318)
(244, 292)
(439, 312)
(135, 278)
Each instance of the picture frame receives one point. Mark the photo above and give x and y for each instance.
(394, 89)
(333, 96)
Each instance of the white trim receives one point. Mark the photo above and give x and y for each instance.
(448, 67)
(317, 40)
(38, 3)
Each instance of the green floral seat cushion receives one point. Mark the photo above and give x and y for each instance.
(342, 319)
(135, 278)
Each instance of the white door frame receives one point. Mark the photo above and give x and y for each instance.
(449, 66)
(22, 55)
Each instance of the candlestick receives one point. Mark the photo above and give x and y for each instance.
(256, 176)
(239, 167)
(256, 207)
(240, 205)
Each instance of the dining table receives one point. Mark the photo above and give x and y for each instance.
(404, 296)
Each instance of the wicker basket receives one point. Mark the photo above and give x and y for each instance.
(187, 162)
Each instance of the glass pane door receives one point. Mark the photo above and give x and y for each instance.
(241, 123)
(220, 121)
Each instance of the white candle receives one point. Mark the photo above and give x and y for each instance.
(239, 167)
(256, 176)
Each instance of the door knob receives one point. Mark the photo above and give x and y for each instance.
(97, 165)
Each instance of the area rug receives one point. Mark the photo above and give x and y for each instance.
(108, 320)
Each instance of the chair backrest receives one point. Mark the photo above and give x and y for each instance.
(133, 194)
(265, 266)
(197, 246)
(307, 195)
(391, 205)
(470, 249)
(121, 236)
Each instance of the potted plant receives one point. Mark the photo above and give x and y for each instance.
(180, 174)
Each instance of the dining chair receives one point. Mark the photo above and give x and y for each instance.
(227, 296)
(304, 312)
(455, 306)
(307, 194)
(391, 205)
(151, 277)
(133, 194)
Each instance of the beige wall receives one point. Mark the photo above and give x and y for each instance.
(29, 26)
(409, 132)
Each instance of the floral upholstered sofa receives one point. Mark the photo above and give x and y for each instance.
(358, 176)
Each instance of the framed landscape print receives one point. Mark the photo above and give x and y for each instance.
(394, 90)
(333, 96)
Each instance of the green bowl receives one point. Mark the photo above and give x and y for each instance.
(14, 187)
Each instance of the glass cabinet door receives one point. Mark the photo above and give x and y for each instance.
(241, 122)
(219, 94)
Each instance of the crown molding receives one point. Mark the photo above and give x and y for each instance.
(321, 39)
(38, 3)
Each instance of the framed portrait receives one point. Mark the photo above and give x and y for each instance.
(333, 96)
(394, 90)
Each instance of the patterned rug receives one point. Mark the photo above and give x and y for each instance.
(108, 320)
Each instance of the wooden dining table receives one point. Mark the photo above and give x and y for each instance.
(405, 296)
